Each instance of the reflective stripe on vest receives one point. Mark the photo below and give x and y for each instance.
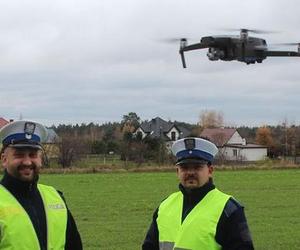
(16, 229)
(198, 229)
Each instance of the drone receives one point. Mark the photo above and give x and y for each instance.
(242, 48)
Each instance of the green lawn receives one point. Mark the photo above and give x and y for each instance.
(113, 211)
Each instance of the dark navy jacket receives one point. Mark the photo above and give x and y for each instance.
(232, 229)
(29, 197)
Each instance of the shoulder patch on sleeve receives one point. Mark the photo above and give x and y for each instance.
(231, 206)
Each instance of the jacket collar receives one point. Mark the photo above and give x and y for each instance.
(17, 186)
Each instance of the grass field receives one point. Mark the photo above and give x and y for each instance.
(113, 211)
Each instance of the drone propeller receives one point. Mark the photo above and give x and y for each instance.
(183, 43)
(256, 31)
(288, 44)
(291, 44)
(174, 40)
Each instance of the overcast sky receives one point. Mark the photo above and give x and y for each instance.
(67, 61)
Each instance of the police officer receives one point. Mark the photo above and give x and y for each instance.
(199, 216)
(32, 216)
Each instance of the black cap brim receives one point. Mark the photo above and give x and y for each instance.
(191, 161)
(25, 145)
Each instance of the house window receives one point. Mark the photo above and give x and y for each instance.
(139, 135)
(235, 153)
(173, 136)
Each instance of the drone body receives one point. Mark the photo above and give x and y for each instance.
(242, 48)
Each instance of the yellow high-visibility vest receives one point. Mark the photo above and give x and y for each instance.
(16, 229)
(198, 230)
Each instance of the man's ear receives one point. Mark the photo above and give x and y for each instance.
(177, 170)
(3, 159)
(210, 169)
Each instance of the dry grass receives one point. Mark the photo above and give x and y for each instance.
(263, 165)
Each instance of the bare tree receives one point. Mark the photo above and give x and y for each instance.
(211, 119)
(71, 149)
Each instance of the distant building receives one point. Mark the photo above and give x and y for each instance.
(3, 122)
(232, 146)
(51, 144)
(52, 136)
(159, 128)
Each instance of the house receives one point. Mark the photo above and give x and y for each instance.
(52, 137)
(3, 122)
(159, 128)
(232, 146)
(50, 145)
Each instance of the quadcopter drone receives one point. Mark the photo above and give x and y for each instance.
(242, 48)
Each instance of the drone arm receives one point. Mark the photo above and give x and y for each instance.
(182, 58)
(184, 48)
(194, 46)
(281, 53)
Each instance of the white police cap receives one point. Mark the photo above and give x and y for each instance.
(20, 134)
(194, 150)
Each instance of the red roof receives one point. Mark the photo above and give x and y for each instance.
(3, 122)
(219, 136)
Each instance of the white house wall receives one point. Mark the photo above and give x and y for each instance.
(244, 154)
(143, 133)
(235, 139)
(254, 154)
(169, 134)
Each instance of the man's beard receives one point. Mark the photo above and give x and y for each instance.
(191, 181)
(27, 173)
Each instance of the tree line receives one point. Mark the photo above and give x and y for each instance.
(118, 138)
